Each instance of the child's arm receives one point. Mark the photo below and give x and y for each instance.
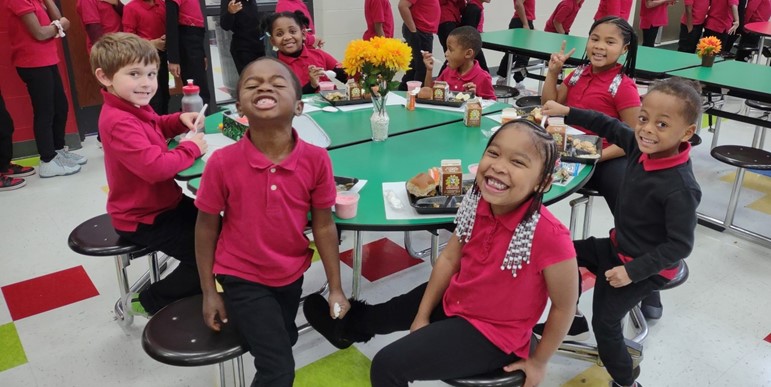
(688, 13)
(552, 91)
(325, 237)
(445, 267)
(428, 60)
(172, 36)
(562, 284)
(735, 25)
(40, 32)
(207, 230)
(519, 6)
(558, 26)
(612, 129)
(404, 10)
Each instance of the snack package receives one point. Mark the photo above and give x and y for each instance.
(441, 89)
(558, 132)
(452, 177)
(473, 114)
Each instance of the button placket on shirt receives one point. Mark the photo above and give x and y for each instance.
(273, 180)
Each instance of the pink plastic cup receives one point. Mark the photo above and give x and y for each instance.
(412, 85)
(346, 204)
(326, 85)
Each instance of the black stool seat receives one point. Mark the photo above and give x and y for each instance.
(529, 101)
(758, 105)
(96, 237)
(680, 278)
(497, 378)
(743, 156)
(588, 192)
(503, 91)
(177, 335)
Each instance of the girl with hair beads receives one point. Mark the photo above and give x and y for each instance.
(489, 286)
(287, 35)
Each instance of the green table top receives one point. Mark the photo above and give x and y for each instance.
(746, 80)
(537, 44)
(655, 62)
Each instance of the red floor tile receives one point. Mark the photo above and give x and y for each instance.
(51, 291)
(768, 338)
(381, 258)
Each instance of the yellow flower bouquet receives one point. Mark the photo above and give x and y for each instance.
(374, 63)
(708, 46)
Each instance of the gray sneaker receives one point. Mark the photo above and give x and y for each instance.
(74, 157)
(57, 167)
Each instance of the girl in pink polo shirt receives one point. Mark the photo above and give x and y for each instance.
(653, 15)
(310, 30)
(488, 287)
(722, 20)
(288, 37)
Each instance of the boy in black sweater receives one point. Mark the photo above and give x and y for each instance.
(655, 213)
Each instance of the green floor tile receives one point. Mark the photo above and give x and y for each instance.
(12, 354)
(346, 368)
(28, 162)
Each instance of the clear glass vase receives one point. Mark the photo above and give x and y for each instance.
(379, 121)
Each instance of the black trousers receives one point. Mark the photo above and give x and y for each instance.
(192, 59)
(418, 41)
(520, 61)
(264, 317)
(689, 40)
(471, 16)
(6, 136)
(606, 180)
(49, 107)
(446, 348)
(242, 57)
(610, 305)
(649, 36)
(722, 36)
(160, 101)
(173, 233)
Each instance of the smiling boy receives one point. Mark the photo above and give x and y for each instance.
(463, 72)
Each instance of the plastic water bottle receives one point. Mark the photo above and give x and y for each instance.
(191, 101)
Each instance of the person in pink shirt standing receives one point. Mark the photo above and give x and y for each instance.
(756, 11)
(608, 8)
(692, 24)
(474, 15)
(463, 73)
(722, 20)
(524, 15)
(563, 16)
(653, 15)
(421, 22)
(299, 5)
(147, 19)
(380, 19)
(100, 17)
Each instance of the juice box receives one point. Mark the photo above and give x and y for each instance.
(411, 96)
(451, 171)
(441, 89)
(473, 114)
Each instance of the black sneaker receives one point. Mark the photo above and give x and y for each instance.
(16, 170)
(614, 384)
(8, 183)
(651, 306)
(579, 330)
(316, 310)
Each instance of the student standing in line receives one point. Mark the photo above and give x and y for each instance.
(563, 16)
(692, 24)
(756, 11)
(147, 19)
(524, 15)
(474, 15)
(421, 22)
(608, 8)
(379, 18)
(185, 39)
(241, 18)
(99, 17)
(722, 21)
(653, 15)
(10, 174)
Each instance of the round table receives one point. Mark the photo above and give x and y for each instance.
(763, 29)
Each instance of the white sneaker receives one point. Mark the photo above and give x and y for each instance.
(57, 167)
(520, 86)
(74, 157)
(501, 81)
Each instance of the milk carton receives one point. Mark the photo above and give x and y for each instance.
(451, 172)
(473, 114)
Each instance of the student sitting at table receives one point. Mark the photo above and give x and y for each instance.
(463, 72)
(310, 31)
(266, 184)
(288, 37)
(692, 24)
(563, 16)
(489, 286)
(655, 215)
(146, 205)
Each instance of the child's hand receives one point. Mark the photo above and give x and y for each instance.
(338, 297)
(319, 43)
(189, 119)
(428, 60)
(470, 87)
(198, 140)
(160, 43)
(618, 277)
(554, 109)
(534, 371)
(65, 23)
(418, 323)
(558, 59)
(214, 314)
(315, 74)
(174, 69)
(234, 7)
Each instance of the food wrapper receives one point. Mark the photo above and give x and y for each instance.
(234, 126)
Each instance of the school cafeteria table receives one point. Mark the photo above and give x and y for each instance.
(763, 29)
(397, 160)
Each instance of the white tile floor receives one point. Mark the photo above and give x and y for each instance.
(711, 334)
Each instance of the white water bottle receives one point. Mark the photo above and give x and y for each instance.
(191, 101)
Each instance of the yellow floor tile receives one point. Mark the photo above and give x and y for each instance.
(594, 376)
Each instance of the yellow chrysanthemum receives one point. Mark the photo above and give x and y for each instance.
(379, 56)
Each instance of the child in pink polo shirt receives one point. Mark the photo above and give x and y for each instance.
(147, 19)
(310, 30)
(421, 22)
(145, 204)
(379, 18)
(266, 184)
(308, 63)
(488, 287)
(100, 17)
(653, 15)
(563, 16)
(524, 15)
(463, 72)
(608, 8)
(722, 20)
(692, 24)
(474, 15)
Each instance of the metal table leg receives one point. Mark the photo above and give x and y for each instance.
(357, 258)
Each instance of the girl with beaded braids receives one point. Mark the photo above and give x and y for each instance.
(488, 287)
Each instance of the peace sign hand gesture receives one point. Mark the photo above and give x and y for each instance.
(558, 59)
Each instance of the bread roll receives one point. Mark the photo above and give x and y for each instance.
(422, 185)
(426, 93)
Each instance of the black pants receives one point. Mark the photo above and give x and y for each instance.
(722, 36)
(443, 32)
(610, 305)
(173, 233)
(446, 348)
(264, 317)
(649, 36)
(49, 107)
(606, 180)
(192, 59)
(689, 40)
(418, 41)
(748, 44)
(6, 136)
(519, 60)
(472, 16)
(160, 101)
(242, 57)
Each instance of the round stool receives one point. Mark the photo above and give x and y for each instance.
(177, 336)
(760, 132)
(503, 92)
(741, 157)
(97, 238)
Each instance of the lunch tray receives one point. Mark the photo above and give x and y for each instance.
(343, 102)
(438, 204)
(449, 103)
(348, 182)
(572, 155)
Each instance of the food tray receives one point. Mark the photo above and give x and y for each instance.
(343, 102)
(450, 100)
(573, 155)
(345, 183)
(433, 205)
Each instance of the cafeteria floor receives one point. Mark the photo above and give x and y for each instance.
(57, 328)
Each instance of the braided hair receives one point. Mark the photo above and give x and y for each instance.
(630, 40)
(518, 252)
